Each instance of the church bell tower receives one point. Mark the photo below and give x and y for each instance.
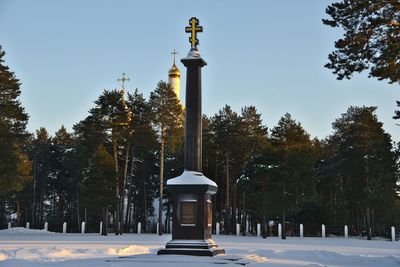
(174, 77)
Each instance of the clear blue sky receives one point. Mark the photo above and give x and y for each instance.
(264, 53)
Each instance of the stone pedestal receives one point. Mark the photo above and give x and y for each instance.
(192, 216)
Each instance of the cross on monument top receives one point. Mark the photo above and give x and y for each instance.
(174, 53)
(123, 80)
(193, 29)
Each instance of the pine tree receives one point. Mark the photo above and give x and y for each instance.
(227, 141)
(168, 119)
(254, 136)
(21, 192)
(61, 186)
(13, 120)
(257, 183)
(108, 124)
(141, 185)
(98, 186)
(41, 156)
(253, 129)
(295, 176)
(89, 134)
(370, 41)
(361, 161)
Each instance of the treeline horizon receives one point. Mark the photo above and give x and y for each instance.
(110, 166)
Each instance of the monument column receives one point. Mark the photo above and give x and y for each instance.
(193, 113)
(191, 192)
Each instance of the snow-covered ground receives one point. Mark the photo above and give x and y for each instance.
(33, 248)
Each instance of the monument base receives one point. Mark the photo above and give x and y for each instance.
(191, 251)
(192, 247)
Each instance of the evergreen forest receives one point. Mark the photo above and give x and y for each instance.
(114, 164)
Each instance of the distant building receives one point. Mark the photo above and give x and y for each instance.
(174, 79)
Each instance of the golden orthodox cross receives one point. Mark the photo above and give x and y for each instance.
(193, 29)
(123, 80)
(174, 53)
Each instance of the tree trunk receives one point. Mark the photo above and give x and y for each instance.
(55, 209)
(41, 210)
(128, 209)
(34, 193)
(122, 201)
(105, 221)
(244, 213)
(129, 217)
(160, 206)
(367, 206)
(18, 213)
(368, 220)
(284, 195)
(264, 228)
(216, 198)
(117, 196)
(373, 222)
(235, 214)
(134, 216)
(3, 221)
(77, 211)
(145, 206)
(284, 213)
(227, 204)
(61, 208)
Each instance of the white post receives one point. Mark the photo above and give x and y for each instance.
(101, 226)
(27, 225)
(64, 227)
(9, 225)
(217, 228)
(170, 226)
(301, 230)
(46, 226)
(258, 230)
(393, 234)
(157, 228)
(279, 230)
(323, 231)
(238, 229)
(346, 231)
(139, 228)
(83, 228)
(247, 224)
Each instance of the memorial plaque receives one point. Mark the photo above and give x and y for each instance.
(188, 213)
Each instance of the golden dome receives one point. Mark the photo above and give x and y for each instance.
(174, 71)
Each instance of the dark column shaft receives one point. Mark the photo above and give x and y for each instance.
(193, 114)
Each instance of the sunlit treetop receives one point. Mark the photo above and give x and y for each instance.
(371, 39)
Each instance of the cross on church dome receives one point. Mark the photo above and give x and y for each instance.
(174, 71)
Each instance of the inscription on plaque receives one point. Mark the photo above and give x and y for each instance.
(188, 213)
